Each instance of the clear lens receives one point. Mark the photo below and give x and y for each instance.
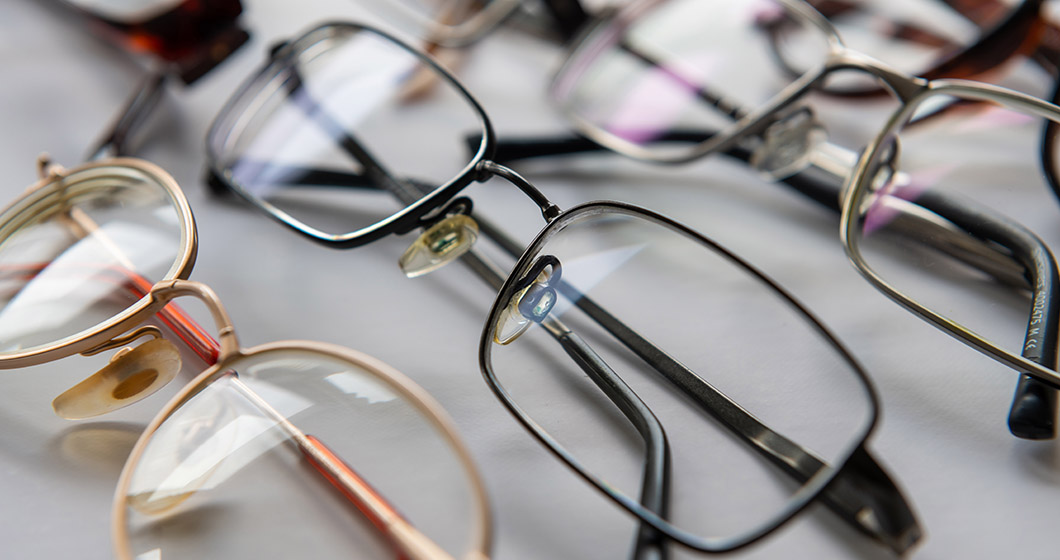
(235, 471)
(706, 321)
(960, 219)
(346, 131)
(683, 66)
(81, 250)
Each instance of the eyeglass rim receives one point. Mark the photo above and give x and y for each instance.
(147, 305)
(858, 189)
(404, 220)
(799, 500)
(425, 404)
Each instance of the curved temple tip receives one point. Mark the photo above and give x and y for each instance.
(1033, 412)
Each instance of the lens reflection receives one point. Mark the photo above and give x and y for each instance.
(675, 313)
(90, 246)
(344, 132)
(244, 468)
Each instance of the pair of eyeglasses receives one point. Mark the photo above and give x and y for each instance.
(670, 82)
(282, 449)
(664, 370)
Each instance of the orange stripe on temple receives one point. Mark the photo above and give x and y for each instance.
(356, 499)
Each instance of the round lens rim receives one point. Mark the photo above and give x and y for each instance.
(858, 190)
(483, 529)
(706, 544)
(224, 131)
(143, 308)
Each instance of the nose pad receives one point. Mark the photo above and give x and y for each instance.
(131, 375)
(441, 243)
(788, 144)
(531, 304)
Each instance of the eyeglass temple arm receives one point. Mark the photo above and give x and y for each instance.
(1033, 411)
(655, 481)
(145, 98)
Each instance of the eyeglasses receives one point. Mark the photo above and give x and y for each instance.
(284, 434)
(650, 84)
(614, 323)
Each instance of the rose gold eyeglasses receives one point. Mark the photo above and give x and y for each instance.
(284, 449)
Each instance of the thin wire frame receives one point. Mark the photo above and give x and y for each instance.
(803, 497)
(859, 188)
(43, 193)
(392, 378)
(232, 120)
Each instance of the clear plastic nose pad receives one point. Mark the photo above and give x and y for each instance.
(788, 144)
(531, 304)
(441, 243)
(131, 375)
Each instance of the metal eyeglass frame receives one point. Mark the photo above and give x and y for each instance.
(824, 179)
(124, 328)
(862, 484)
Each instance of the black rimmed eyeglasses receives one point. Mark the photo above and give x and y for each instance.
(614, 324)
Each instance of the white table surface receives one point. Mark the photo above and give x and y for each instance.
(979, 492)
